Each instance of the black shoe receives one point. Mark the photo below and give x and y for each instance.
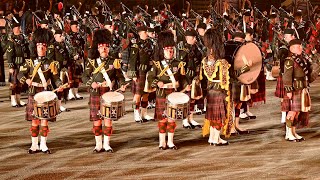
(252, 117)
(301, 139)
(246, 118)
(98, 151)
(162, 148)
(173, 147)
(47, 151)
(187, 127)
(294, 140)
(32, 152)
(222, 144)
(242, 132)
(196, 126)
(109, 150)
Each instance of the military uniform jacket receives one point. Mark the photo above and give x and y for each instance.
(159, 73)
(192, 57)
(295, 74)
(282, 55)
(16, 51)
(140, 57)
(60, 54)
(93, 73)
(49, 69)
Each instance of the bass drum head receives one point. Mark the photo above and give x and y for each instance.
(112, 97)
(248, 52)
(45, 96)
(178, 98)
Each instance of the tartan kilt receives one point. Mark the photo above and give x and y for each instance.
(192, 101)
(216, 105)
(296, 101)
(285, 104)
(260, 96)
(94, 102)
(29, 107)
(236, 90)
(138, 87)
(161, 104)
(280, 92)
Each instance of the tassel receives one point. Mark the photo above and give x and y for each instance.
(181, 66)
(116, 63)
(206, 128)
(54, 67)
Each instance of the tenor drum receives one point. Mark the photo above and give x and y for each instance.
(177, 105)
(45, 105)
(112, 105)
(238, 54)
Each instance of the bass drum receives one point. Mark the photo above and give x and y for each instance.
(238, 54)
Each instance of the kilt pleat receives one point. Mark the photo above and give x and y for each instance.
(161, 104)
(280, 92)
(138, 87)
(94, 102)
(216, 105)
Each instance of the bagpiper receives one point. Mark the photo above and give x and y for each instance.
(17, 51)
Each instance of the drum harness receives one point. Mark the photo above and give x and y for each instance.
(104, 73)
(40, 73)
(173, 80)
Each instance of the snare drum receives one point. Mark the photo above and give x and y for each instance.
(177, 105)
(45, 105)
(112, 105)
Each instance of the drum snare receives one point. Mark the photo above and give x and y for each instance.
(112, 105)
(177, 106)
(45, 105)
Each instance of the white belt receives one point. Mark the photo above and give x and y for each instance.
(39, 84)
(216, 81)
(170, 86)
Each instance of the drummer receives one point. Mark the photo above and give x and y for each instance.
(100, 71)
(39, 73)
(166, 80)
(244, 111)
(240, 91)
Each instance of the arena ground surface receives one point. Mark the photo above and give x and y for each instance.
(262, 154)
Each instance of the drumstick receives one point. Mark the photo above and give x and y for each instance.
(125, 86)
(63, 86)
(185, 89)
(244, 59)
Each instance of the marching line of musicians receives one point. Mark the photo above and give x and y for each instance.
(162, 56)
